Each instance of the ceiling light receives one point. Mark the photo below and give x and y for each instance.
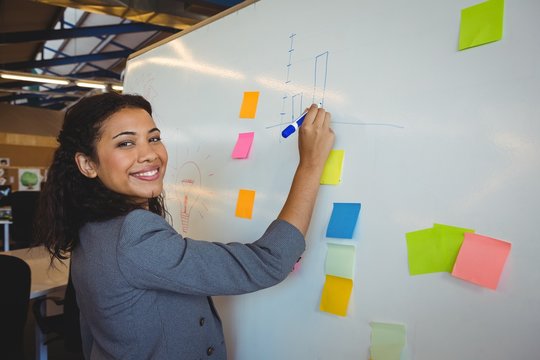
(90, 85)
(117, 87)
(34, 79)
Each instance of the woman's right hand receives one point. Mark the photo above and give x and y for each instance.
(316, 138)
(315, 141)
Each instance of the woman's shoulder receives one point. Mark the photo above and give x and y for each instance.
(140, 221)
(144, 216)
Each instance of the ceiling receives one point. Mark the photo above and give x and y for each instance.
(83, 39)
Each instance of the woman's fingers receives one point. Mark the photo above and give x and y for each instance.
(311, 115)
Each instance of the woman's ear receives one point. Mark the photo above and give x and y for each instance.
(86, 165)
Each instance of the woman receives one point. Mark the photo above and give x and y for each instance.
(144, 290)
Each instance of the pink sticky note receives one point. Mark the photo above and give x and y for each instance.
(243, 145)
(481, 260)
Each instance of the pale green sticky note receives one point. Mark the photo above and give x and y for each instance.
(481, 24)
(340, 260)
(386, 352)
(332, 168)
(387, 341)
(435, 249)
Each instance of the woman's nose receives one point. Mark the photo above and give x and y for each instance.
(147, 153)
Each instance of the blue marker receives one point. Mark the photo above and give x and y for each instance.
(295, 124)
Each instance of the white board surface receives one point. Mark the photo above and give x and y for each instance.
(430, 134)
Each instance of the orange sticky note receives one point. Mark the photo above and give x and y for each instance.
(335, 295)
(244, 205)
(481, 260)
(249, 105)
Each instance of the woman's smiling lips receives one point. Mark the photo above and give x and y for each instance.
(147, 174)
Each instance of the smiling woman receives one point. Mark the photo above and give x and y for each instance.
(131, 159)
(144, 290)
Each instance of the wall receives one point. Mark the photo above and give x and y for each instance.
(27, 138)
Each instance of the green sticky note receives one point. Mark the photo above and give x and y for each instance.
(423, 252)
(332, 168)
(387, 341)
(450, 239)
(481, 24)
(340, 260)
(435, 249)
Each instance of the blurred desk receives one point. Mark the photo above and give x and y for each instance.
(6, 224)
(45, 279)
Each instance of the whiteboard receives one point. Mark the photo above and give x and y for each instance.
(430, 134)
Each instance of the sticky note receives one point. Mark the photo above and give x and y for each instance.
(332, 168)
(481, 24)
(249, 105)
(343, 220)
(481, 260)
(340, 260)
(335, 295)
(450, 239)
(387, 341)
(434, 249)
(243, 145)
(244, 205)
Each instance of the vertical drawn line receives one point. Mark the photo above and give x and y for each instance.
(296, 110)
(318, 90)
(288, 78)
(291, 50)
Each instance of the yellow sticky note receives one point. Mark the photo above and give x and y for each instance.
(335, 295)
(249, 105)
(244, 204)
(481, 24)
(332, 168)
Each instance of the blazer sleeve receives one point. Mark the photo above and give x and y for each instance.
(152, 255)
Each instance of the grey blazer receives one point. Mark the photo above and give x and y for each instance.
(144, 290)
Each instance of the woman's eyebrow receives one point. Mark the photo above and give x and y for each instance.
(124, 133)
(134, 133)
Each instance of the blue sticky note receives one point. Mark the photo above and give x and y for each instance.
(343, 220)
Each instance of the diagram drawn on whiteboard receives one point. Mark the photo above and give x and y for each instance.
(292, 101)
(191, 193)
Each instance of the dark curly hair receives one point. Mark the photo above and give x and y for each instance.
(69, 199)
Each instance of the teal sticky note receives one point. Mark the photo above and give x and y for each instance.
(343, 220)
(340, 260)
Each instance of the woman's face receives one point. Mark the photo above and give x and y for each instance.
(131, 157)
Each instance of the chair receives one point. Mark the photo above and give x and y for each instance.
(15, 285)
(23, 212)
(64, 326)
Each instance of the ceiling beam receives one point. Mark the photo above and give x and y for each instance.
(96, 74)
(65, 60)
(90, 31)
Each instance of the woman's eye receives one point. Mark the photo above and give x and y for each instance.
(155, 139)
(126, 143)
